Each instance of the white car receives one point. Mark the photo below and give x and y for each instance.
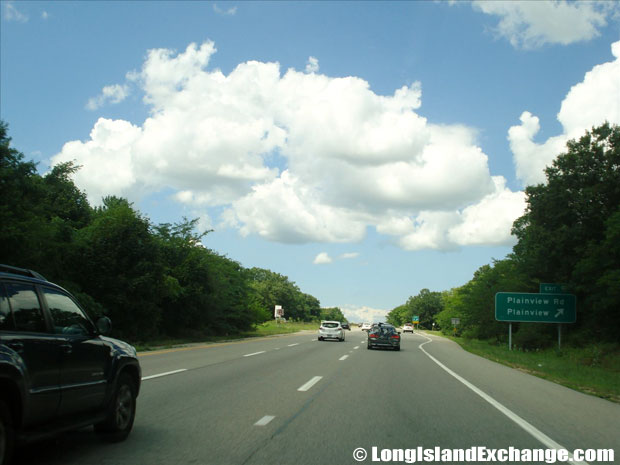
(366, 326)
(408, 328)
(331, 330)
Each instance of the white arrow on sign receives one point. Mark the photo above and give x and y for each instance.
(560, 312)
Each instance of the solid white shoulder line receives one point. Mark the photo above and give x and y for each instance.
(532, 430)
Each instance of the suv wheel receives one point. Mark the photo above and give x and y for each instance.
(121, 412)
(6, 434)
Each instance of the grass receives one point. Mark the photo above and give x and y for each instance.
(593, 369)
(269, 328)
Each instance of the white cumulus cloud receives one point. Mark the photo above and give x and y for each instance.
(531, 24)
(363, 314)
(294, 157)
(313, 65)
(322, 258)
(588, 104)
(113, 94)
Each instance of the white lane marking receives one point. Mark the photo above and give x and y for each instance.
(532, 430)
(164, 374)
(344, 357)
(277, 348)
(356, 347)
(265, 420)
(255, 353)
(296, 344)
(310, 383)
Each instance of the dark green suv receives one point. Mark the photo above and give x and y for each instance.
(58, 371)
(383, 335)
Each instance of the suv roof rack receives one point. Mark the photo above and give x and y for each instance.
(21, 271)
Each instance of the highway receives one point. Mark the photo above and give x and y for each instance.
(294, 400)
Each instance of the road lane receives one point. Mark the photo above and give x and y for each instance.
(227, 408)
(577, 420)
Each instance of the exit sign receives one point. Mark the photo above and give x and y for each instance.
(554, 288)
(535, 308)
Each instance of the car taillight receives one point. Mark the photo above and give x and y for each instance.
(373, 336)
(395, 336)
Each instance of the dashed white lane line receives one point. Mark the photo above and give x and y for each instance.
(532, 430)
(164, 374)
(310, 383)
(264, 421)
(344, 357)
(356, 347)
(296, 344)
(255, 353)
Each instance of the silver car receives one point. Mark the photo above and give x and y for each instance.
(331, 330)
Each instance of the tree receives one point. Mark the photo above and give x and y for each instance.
(332, 314)
(566, 221)
(119, 266)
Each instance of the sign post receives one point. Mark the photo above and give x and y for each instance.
(455, 323)
(278, 313)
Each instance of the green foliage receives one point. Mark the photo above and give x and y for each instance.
(270, 289)
(569, 232)
(153, 281)
(426, 305)
(332, 314)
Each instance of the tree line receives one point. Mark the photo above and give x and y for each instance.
(569, 233)
(151, 280)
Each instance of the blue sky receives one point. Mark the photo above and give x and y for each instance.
(367, 150)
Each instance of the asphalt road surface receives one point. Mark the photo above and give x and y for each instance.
(295, 400)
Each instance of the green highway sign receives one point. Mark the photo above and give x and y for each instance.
(554, 288)
(416, 318)
(535, 308)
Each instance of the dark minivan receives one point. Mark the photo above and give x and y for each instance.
(58, 371)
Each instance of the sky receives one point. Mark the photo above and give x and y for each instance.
(366, 150)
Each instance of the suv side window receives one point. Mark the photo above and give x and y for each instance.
(67, 316)
(6, 319)
(27, 313)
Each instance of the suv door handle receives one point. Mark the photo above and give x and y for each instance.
(16, 346)
(66, 348)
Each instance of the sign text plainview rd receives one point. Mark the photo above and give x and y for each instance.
(535, 308)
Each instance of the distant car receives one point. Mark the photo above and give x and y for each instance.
(331, 330)
(366, 326)
(408, 328)
(383, 335)
(345, 325)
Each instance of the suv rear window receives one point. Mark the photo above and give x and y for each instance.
(26, 308)
(6, 319)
